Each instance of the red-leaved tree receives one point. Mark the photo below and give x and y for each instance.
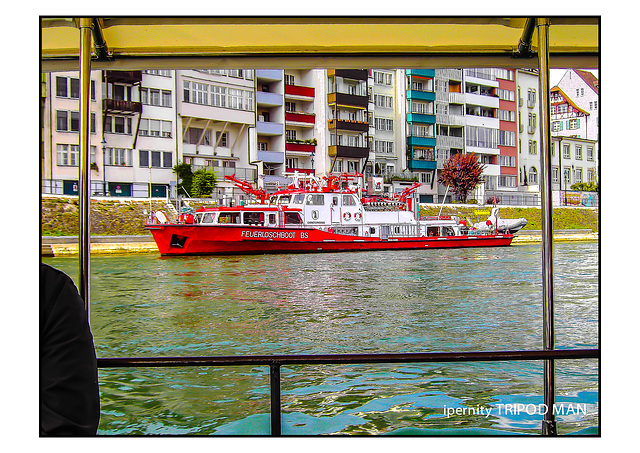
(463, 173)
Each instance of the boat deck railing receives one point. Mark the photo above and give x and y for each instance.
(275, 362)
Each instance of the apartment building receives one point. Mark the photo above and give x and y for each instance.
(60, 150)
(303, 126)
(270, 126)
(421, 130)
(217, 116)
(450, 121)
(347, 126)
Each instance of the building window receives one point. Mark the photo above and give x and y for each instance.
(289, 79)
(573, 124)
(291, 134)
(384, 124)
(68, 87)
(578, 152)
(154, 128)
(223, 140)
(556, 126)
(506, 138)
(533, 147)
(533, 175)
(117, 156)
(118, 124)
(507, 161)
(531, 98)
(382, 78)
(589, 153)
(566, 152)
(61, 120)
(381, 100)
(578, 176)
(193, 134)
(532, 123)
(567, 176)
(68, 121)
(67, 155)
(507, 181)
(235, 98)
(555, 176)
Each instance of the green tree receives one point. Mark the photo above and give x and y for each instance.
(185, 178)
(463, 173)
(586, 186)
(204, 181)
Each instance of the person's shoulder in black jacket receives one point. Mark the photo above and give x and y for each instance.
(69, 394)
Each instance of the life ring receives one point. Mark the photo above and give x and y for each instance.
(357, 216)
(346, 216)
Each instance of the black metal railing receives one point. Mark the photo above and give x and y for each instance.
(276, 361)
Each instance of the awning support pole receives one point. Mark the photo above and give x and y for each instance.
(548, 422)
(84, 179)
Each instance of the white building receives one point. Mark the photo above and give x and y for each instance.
(582, 88)
(216, 117)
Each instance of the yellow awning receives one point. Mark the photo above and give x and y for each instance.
(318, 42)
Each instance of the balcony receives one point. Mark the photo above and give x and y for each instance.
(421, 118)
(421, 141)
(300, 147)
(267, 99)
(299, 92)
(421, 95)
(349, 100)
(271, 157)
(271, 75)
(268, 128)
(300, 119)
(348, 125)
(428, 73)
(456, 98)
(120, 106)
(421, 164)
(354, 74)
(354, 152)
(129, 77)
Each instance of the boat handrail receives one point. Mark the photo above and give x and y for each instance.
(275, 362)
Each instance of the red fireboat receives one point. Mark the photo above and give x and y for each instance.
(319, 215)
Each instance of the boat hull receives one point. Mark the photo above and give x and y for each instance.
(232, 240)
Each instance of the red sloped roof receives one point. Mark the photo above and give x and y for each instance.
(589, 79)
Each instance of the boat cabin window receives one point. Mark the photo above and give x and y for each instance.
(448, 231)
(298, 198)
(292, 218)
(272, 219)
(433, 231)
(207, 217)
(284, 199)
(229, 217)
(315, 199)
(334, 201)
(253, 218)
(348, 200)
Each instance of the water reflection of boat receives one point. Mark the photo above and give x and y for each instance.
(320, 215)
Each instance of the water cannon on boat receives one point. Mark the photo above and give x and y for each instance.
(260, 194)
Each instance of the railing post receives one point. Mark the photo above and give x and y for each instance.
(274, 379)
(85, 26)
(549, 422)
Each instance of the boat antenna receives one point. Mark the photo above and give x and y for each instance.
(443, 199)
